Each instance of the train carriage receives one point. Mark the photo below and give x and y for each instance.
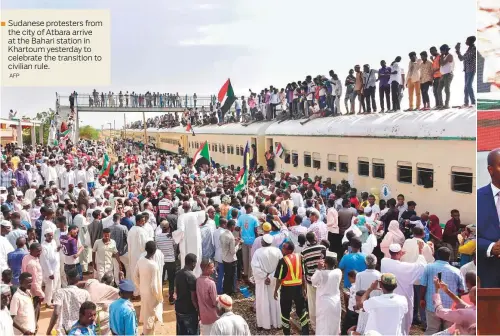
(427, 156)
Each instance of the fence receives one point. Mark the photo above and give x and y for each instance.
(135, 101)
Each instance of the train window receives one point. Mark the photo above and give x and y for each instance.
(363, 166)
(461, 179)
(425, 177)
(237, 150)
(343, 164)
(242, 151)
(295, 159)
(405, 172)
(332, 162)
(316, 160)
(287, 157)
(223, 148)
(307, 159)
(378, 168)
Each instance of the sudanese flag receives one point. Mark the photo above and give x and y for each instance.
(226, 92)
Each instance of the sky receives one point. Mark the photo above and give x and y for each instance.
(190, 46)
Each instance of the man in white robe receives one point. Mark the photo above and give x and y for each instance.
(136, 240)
(406, 275)
(147, 278)
(67, 177)
(50, 262)
(264, 263)
(188, 236)
(326, 279)
(83, 238)
(228, 323)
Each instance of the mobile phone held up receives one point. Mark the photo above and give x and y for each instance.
(439, 276)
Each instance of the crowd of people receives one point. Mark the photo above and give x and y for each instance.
(133, 99)
(321, 96)
(87, 229)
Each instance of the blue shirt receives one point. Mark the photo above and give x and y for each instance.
(122, 317)
(14, 260)
(26, 224)
(350, 262)
(325, 192)
(449, 275)
(78, 329)
(306, 222)
(247, 223)
(127, 222)
(38, 227)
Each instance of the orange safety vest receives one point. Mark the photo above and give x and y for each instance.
(294, 274)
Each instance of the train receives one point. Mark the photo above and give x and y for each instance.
(429, 157)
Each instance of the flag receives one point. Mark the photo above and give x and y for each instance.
(107, 167)
(242, 178)
(64, 135)
(189, 128)
(228, 92)
(278, 151)
(202, 156)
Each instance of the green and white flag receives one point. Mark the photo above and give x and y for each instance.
(107, 168)
(242, 178)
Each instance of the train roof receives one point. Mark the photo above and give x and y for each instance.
(257, 128)
(446, 125)
(451, 124)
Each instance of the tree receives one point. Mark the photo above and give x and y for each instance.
(89, 133)
(45, 118)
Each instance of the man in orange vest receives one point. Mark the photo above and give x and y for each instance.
(290, 279)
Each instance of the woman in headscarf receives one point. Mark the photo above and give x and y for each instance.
(393, 236)
(435, 231)
(83, 198)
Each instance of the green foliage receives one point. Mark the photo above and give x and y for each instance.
(89, 133)
(45, 118)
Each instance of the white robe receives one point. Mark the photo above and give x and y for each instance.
(147, 278)
(230, 324)
(264, 263)
(67, 178)
(188, 236)
(6, 327)
(406, 275)
(5, 248)
(328, 304)
(136, 240)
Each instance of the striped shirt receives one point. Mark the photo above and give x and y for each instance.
(166, 244)
(311, 255)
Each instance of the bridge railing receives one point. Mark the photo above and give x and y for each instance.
(134, 101)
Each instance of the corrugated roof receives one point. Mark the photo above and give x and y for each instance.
(448, 124)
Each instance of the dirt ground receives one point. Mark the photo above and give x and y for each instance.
(241, 305)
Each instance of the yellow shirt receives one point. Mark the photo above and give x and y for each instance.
(15, 161)
(468, 248)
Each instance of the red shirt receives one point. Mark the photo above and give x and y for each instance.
(354, 201)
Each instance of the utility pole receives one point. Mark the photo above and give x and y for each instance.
(145, 132)
(124, 126)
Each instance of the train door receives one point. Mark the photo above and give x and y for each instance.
(184, 143)
(269, 143)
